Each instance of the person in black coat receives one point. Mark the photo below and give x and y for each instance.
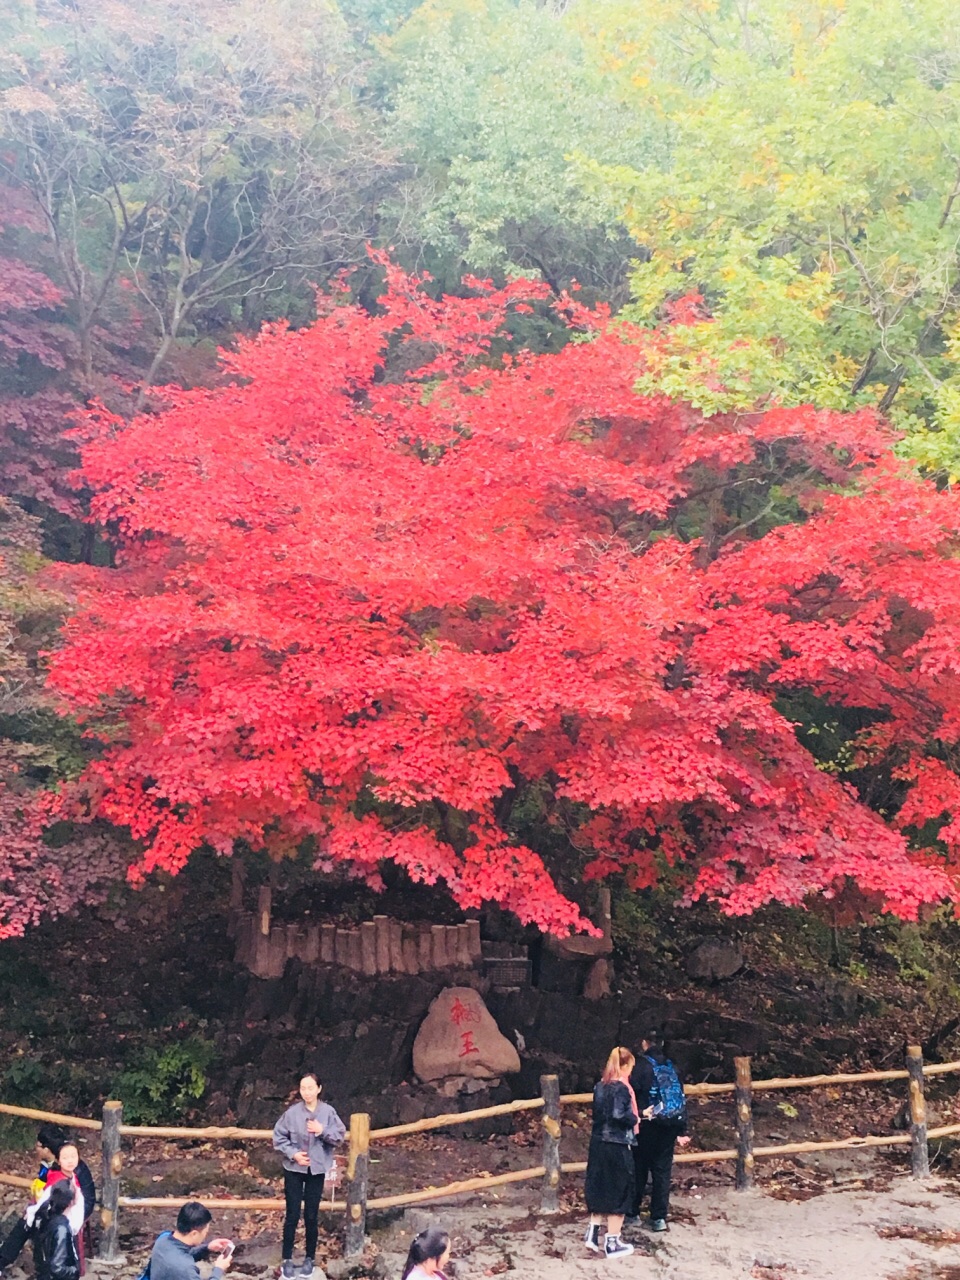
(609, 1186)
(54, 1249)
(50, 1139)
(657, 1139)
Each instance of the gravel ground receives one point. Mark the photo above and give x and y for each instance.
(892, 1229)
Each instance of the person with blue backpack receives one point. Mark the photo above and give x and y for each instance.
(663, 1124)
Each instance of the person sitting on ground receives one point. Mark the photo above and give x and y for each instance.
(429, 1254)
(54, 1246)
(305, 1135)
(610, 1174)
(175, 1254)
(660, 1130)
(51, 1139)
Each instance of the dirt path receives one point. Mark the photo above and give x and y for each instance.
(852, 1217)
(907, 1232)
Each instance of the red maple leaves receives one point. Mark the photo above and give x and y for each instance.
(391, 578)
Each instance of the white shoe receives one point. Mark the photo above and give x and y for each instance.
(591, 1240)
(614, 1247)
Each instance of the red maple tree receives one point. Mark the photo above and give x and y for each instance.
(396, 575)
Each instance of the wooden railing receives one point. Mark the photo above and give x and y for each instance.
(357, 1202)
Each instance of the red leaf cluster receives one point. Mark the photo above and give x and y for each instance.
(383, 580)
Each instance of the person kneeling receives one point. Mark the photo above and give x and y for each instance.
(176, 1253)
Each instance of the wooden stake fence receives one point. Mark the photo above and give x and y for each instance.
(743, 1098)
(357, 1201)
(919, 1152)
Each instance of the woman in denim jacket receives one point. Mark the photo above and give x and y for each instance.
(610, 1172)
(305, 1135)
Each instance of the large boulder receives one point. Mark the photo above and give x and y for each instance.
(459, 1038)
(714, 960)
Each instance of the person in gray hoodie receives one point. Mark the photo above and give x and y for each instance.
(305, 1135)
(176, 1253)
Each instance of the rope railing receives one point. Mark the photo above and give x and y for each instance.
(550, 1102)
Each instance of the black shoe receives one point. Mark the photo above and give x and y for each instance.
(631, 1219)
(288, 1270)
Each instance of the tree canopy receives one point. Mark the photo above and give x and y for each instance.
(397, 586)
(386, 586)
(809, 191)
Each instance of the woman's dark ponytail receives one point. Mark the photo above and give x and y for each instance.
(59, 1201)
(431, 1243)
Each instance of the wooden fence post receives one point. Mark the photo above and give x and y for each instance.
(919, 1152)
(550, 1195)
(264, 908)
(357, 1169)
(743, 1095)
(110, 1191)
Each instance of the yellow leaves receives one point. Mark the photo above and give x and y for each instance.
(845, 368)
(24, 99)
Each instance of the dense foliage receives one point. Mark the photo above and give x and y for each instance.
(659, 596)
(381, 587)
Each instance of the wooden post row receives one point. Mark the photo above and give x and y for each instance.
(110, 1192)
(357, 1173)
(919, 1152)
(550, 1195)
(743, 1097)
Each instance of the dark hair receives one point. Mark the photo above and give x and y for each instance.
(431, 1243)
(294, 1093)
(52, 1136)
(58, 1201)
(192, 1216)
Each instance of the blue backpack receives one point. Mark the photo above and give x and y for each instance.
(667, 1093)
(145, 1273)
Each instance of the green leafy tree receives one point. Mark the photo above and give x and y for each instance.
(486, 101)
(811, 194)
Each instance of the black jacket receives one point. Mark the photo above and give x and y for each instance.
(613, 1114)
(55, 1251)
(644, 1081)
(88, 1188)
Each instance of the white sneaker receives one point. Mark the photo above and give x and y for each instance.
(614, 1247)
(591, 1240)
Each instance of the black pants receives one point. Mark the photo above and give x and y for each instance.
(305, 1189)
(12, 1247)
(653, 1158)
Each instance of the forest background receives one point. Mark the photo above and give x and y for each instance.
(758, 204)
